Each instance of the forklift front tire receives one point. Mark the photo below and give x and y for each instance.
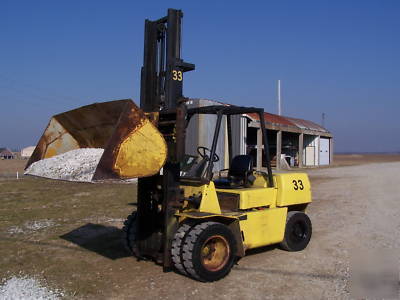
(176, 249)
(209, 251)
(130, 229)
(297, 232)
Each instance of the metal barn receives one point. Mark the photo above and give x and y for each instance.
(292, 142)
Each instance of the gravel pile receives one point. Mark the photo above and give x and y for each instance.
(27, 288)
(74, 165)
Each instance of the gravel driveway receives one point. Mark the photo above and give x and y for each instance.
(356, 211)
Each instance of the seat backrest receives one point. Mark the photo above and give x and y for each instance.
(241, 166)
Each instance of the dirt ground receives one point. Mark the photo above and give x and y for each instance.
(11, 166)
(70, 235)
(18, 165)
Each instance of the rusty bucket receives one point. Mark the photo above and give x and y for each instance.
(133, 146)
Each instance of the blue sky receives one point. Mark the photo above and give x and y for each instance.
(337, 57)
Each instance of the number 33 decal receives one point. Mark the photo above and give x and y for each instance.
(177, 75)
(298, 185)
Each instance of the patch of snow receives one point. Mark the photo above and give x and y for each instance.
(112, 220)
(131, 180)
(74, 165)
(37, 225)
(15, 230)
(27, 288)
(31, 226)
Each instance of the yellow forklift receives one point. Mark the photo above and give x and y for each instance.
(216, 218)
(190, 220)
(190, 216)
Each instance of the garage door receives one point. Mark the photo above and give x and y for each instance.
(324, 151)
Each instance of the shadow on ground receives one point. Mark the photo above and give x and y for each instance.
(104, 240)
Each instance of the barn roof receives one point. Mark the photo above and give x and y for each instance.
(5, 151)
(276, 122)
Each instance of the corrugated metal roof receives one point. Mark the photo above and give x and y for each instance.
(273, 119)
(304, 124)
(291, 122)
(277, 120)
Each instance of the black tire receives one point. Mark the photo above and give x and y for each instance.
(176, 249)
(130, 229)
(209, 251)
(298, 231)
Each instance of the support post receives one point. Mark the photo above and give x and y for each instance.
(331, 151)
(301, 146)
(278, 149)
(259, 149)
(230, 145)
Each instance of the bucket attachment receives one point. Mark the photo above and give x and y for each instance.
(133, 146)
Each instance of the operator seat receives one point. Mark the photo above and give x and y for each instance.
(240, 173)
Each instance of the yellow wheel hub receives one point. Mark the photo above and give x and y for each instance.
(215, 253)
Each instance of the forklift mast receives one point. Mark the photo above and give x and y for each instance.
(163, 68)
(161, 92)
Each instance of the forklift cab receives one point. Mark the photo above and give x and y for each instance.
(240, 173)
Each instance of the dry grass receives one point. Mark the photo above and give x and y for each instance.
(69, 233)
(12, 166)
(360, 159)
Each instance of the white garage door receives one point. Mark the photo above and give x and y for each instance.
(324, 151)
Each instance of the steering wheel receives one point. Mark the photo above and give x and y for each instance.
(204, 153)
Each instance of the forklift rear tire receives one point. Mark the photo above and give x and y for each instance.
(130, 229)
(298, 231)
(209, 251)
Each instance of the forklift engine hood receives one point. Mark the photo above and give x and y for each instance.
(133, 146)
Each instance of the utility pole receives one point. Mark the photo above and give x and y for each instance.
(279, 133)
(279, 98)
(323, 120)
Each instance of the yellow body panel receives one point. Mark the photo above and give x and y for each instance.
(264, 227)
(292, 188)
(261, 211)
(209, 200)
(261, 180)
(191, 190)
(144, 151)
(254, 197)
